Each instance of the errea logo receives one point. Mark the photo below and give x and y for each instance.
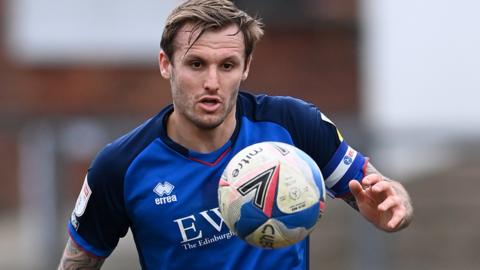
(163, 190)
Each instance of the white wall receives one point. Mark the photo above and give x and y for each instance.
(421, 78)
(422, 61)
(106, 31)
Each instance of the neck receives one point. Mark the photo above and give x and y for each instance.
(197, 139)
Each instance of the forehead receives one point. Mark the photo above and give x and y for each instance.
(227, 39)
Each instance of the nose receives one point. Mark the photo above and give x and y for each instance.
(211, 82)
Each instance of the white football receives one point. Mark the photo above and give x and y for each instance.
(271, 194)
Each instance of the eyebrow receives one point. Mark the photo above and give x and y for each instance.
(192, 56)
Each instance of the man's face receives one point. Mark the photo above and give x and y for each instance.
(205, 77)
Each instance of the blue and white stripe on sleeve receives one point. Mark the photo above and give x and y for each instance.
(345, 165)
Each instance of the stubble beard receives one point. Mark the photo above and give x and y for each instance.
(204, 121)
(187, 111)
(211, 121)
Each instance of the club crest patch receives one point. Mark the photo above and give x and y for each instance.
(83, 198)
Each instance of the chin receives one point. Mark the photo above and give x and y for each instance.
(208, 121)
(209, 125)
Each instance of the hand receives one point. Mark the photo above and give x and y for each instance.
(384, 203)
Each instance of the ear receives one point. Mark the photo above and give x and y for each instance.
(164, 65)
(247, 68)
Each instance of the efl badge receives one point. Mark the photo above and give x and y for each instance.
(83, 198)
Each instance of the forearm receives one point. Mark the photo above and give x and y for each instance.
(75, 258)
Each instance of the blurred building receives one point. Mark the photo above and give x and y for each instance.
(58, 108)
(315, 59)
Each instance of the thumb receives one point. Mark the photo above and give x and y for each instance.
(356, 189)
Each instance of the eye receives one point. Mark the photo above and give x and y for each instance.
(227, 66)
(196, 64)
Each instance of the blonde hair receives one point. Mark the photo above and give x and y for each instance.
(210, 15)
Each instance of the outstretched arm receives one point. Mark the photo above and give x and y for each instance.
(75, 258)
(383, 202)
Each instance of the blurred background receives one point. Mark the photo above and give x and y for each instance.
(398, 77)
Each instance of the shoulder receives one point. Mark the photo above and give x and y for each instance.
(115, 158)
(270, 100)
(308, 127)
(276, 108)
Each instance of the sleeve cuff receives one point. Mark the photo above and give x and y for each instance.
(85, 246)
(345, 165)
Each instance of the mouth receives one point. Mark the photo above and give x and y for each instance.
(210, 100)
(210, 103)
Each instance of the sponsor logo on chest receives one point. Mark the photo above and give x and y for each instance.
(196, 229)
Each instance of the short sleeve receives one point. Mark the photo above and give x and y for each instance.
(99, 218)
(345, 164)
(339, 162)
(318, 136)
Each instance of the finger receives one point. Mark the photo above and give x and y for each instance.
(396, 219)
(356, 189)
(383, 187)
(371, 179)
(388, 203)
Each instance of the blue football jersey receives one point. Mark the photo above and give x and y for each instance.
(167, 194)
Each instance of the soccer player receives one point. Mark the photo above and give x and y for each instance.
(160, 180)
